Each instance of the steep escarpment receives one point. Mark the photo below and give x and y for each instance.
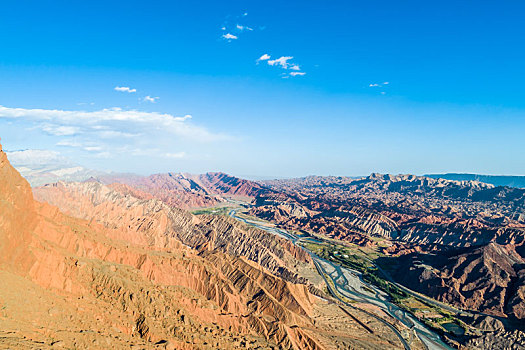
(163, 225)
(18, 217)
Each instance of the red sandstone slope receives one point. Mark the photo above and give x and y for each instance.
(117, 206)
(68, 255)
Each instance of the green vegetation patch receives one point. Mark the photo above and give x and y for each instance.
(360, 259)
(213, 211)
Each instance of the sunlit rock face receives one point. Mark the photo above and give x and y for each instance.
(131, 283)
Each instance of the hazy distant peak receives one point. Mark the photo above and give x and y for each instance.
(40, 167)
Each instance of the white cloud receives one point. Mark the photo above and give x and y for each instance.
(281, 61)
(176, 155)
(150, 99)
(378, 84)
(116, 120)
(88, 146)
(264, 57)
(60, 130)
(104, 155)
(284, 63)
(229, 36)
(34, 157)
(245, 14)
(125, 89)
(93, 148)
(241, 28)
(69, 143)
(109, 134)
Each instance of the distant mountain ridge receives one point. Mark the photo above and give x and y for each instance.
(40, 167)
(496, 180)
(187, 191)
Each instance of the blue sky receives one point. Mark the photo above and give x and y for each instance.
(372, 86)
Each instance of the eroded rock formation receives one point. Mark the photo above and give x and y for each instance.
(457, 241)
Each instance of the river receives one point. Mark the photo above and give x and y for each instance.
(350, 284)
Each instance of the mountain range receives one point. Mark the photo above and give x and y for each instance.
(122, 261)
(460, 242)
(90, 266)
(496, 180)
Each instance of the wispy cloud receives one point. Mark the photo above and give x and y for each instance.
(88, 146)
(382, 85)
(125, 89)
(111, 122)
(176, 155)
(284, 63)
(68, 143)
(241, 28)
(378, 84)
(234, 26)
(281, 61)
(229, 36)
(150, 99)
(57, 130)
(264, 57)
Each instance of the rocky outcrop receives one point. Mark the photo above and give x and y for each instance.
(498, 341)
(488, 279)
